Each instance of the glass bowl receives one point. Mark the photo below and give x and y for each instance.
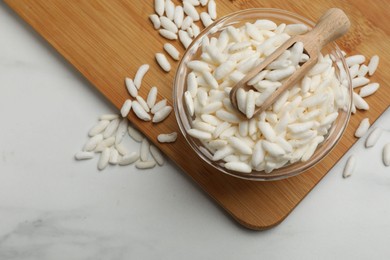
(238, 19)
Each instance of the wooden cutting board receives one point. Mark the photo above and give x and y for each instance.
(107, 40)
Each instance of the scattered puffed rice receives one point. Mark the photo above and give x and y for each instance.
(163, 62)
(184, 38)
(131, 88)
(158, 106)
(143, 103)
(168, 34)
(190, 10)
(169, 9)
(386, 154)
(152, 96)
(93, 142)
(359, 102)
(121, 131)
(167, 138)
(186, 23)
(373, 65)
(98, 128)
(104, 158)
(129, 159)
(125, 110)
(83, 155)
(140, 75)
(178, 16)
(155, 152)
(121, 148)
(108, 117)
(106, 143)
(362, 128)
(162, 114)
(368, 90)
(359, 81)
(356, 59)
(168, 24)
(144, 151)
(145, 164)
(373, 137)
(206, 19)
(159, 7)
(111, 128)
(135, 134)
(349, 166)
(172, 51)
(140, 112)
(212, 9)
(155, 21)
(114, 156)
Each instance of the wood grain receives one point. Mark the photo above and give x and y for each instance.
(107, 40)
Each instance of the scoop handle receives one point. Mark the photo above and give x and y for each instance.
(333, 24)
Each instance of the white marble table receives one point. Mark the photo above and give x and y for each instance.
(52, 207)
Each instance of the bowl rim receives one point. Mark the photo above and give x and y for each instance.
(254, 175)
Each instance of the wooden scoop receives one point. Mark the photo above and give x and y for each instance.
(332, 25)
